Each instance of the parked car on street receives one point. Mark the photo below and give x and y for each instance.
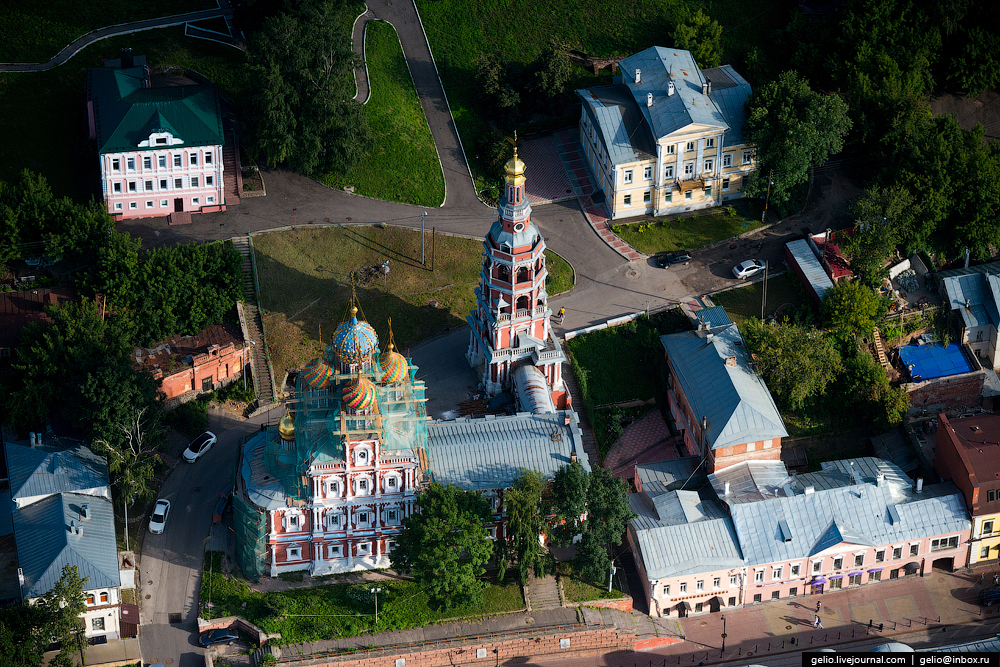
(673, 257)
(199, 446)
(158, 521)
(750, 267)
(220, 636)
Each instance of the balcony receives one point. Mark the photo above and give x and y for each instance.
(691, 184)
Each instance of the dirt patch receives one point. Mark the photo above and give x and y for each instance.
(984, 109)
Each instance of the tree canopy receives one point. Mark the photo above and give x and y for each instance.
(527, 519)
(791, 127)
(883, 218)
(852, 308)
(303, 112)
(446, 545)
(62, 605)
(702, 36)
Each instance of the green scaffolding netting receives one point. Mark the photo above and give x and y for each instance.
(251, 537)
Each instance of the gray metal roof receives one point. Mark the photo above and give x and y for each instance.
(989, 267)
(980, 646)
(669, 550)
(810, 266)
(864, 514)
(974, 296)
(750, 481)
(687, 106)
(662, 476)
(625, 133)
(734, 398)
(730, 91)
(43, 471)
(45, 542)
(489, 452)
(715, 316)
(677, 507)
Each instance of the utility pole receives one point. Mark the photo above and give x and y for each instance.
(770, 179)
(433, 245)
(723, 634)
(376, 591)
(611, 575)
(422, 216)
(763, 296)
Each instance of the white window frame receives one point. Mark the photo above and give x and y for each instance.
(734, 580)
(682, 587)
(147, 161)
(164, 202)
(208, 157)
(984, 553)
(178, 160)
(293, 553)
(116, 164)
(747, 157)
(364, 548)
(727, 160)
(147, 185)
(133, 186)
(163, 183)
(699, 586)
(666, 591)
(627, 200)
(688, 195)
(838, 563)
(118, 206)
(725, 185)
(194, 182)
(626, 176)
(647, 197)
(817, 565)
(130, 163)
(149, 204)
(897, 549)
(795, 569)
(709, 165)
(880, 556)
(708, 192)
(210, 199)
(984, 531)
(668, 171)
(333, 521)
(334, 551)
(670, 149)
(689, 147)
(161, 161)
(209, 181)
(363, 518)
(133, 206)
(710, 142)
(946, 540)
(688, 169)
(196, 201)
(777, 572)
(116, 187)
(647, 173)
(758, 576)
(861, 555)
(914, 550)
(392, 515)
(194, 160)
(178, 184)
(716, 583)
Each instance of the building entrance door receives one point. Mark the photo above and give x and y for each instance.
(178, 205)
(817, 589)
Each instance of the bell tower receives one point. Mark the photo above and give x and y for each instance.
(510, 326)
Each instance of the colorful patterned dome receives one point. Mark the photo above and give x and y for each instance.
(318, 374)
(393, 365)
(354, 341)
(359, 394)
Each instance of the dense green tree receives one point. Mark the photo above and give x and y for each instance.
(569, 499)
(883, 218)
(791, 127)
(23, 636)
(526, 522)
(446, 545)
(553, 70)
(865, 388)
(33, 221)
(977, 66)
(63, 604)
(303, 112)
(500, 97)
(608, 510)
(797, 362)
(130, 446)
(852, 308)
(592, 562)
(702, 36)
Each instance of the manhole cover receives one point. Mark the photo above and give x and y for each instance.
(529, 620)
(940, 580)
(196, 489)
(703, 624)
(749, 653)
(175, 617)
(148, 596)
(632, 273)
(150, 582)
(168, 661)
(788, 627)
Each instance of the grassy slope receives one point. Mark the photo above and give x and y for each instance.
(744, 302)
(43, 115)
(305, 286)
(691, 232)
(458, 30)
(560, 274)
(36, 31)
(402, 164)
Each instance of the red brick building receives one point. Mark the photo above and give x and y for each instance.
(201, 363)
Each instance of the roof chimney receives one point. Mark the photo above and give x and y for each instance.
(809, 489)
(730, 361)
(704, 89)
(31, 439)
(709, 87)
(85, 512)
(638, 75)
(649, 99)
(670, 89)
(127, 60)
(920, 484)
(726, 492)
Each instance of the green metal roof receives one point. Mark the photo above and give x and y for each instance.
(126, 112)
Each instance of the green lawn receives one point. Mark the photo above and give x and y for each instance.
(560, 274)
(577, 590)
(340, 610)
(304, 277)
(742, 303)
(37, 31)
(654, 235)
(43, 115)
(402, 163)
(459, 30)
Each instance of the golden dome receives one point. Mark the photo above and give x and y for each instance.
(286, 427)
(514, 170)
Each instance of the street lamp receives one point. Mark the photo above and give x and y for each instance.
(376, 591)
(723, 634)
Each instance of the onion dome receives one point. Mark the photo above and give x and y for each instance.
(354, 341)
(393, 365)
(359, 394)
(318, 374)
(286, 427)
(514, 170)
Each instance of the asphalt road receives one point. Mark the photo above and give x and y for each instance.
(171, 563)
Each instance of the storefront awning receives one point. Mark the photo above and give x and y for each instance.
(684, 604)
(817, 581)
(853, 574)
(836, 576)
(875, 569)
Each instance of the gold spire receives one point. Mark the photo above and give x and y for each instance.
(514, 168)
(286, 427)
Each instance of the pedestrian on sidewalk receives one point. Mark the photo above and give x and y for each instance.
(819, 605)
(983, 574)
(818, 623)
(562, 315)
(995, 582)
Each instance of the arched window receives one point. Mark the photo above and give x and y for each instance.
(523, 303)
(523, 274)
(504, 273)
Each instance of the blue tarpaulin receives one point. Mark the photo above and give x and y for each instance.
(927, 362)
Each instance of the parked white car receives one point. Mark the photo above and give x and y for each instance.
(158, 521)
(199, 446)
(751, 267)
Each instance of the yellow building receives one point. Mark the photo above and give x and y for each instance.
(666, 137)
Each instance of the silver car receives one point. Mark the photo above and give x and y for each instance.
(750, 267)
(158, 521)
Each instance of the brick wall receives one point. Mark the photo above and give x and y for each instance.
(621, 604)
(239, 623)
(949, 393)
(582, 643)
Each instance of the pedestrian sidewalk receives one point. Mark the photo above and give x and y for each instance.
(910, 610)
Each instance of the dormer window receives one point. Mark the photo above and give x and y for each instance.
(161, 141)
(160, 138)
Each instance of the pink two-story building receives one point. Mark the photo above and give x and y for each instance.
(160, 148)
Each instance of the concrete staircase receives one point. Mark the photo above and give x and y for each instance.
(543, 593)
(589, 441)
(262, 382)
(232, 176)
(179, 218)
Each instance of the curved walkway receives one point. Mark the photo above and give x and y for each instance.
(115, 30)
(358, 41)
